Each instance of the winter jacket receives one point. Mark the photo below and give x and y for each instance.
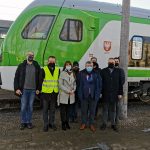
(19, 79)
(95, 85)
(67, 83)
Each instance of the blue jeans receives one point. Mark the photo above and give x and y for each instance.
(27, 100)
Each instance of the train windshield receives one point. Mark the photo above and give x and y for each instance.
(38, 27)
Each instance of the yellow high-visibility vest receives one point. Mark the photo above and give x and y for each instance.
(50, 82)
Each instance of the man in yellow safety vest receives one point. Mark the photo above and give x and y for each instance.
(49, 89)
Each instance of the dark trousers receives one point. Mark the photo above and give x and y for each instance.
(88, 107)
(64, 112)
(109, 110)
(73, 111)
(117, 112)
(49, 105)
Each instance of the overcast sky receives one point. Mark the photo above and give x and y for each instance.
(10, 9)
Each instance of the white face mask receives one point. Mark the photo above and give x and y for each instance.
(68, 68)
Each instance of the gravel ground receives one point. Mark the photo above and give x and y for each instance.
(130, 136)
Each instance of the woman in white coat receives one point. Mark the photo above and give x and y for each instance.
(67, 86)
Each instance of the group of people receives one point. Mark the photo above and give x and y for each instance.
(68, 88)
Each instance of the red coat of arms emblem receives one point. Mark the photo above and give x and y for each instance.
(107, 45)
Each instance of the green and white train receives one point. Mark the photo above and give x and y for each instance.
(77, 30)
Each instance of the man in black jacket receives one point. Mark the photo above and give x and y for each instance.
(112, 90)
(26, 85)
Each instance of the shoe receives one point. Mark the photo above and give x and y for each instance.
(29, 125)
(67, 125)
(82, 127)
(45, 129)
(114, 127)
(92, 128)
(53, 127)
(22, 126)
(63, 126)
(103, 127)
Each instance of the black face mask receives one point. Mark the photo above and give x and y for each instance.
(111, 65)
(76, 69)
(95, 65)
(30, 58)
(51, 65)
(116, 64)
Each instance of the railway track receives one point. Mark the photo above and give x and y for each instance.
(8, 101)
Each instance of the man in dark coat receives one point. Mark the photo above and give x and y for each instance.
(89, 93)
(26, 85)
(118, 107)
(98, 71)
(112, 90)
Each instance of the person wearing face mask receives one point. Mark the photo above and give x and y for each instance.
(49, 91)
(98, 71)
(73, 115)
(117, 62)
(67, 86)
(89, 93)
(112, 91)
(26, 85)
(122, 73)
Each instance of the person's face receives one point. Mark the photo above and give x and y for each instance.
(51, 61)
(111, 61)
(30, 56)
(67, 64)
(117, 61)
(89, 65)
(94, 60)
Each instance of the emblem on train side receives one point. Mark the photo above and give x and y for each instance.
(107, 45)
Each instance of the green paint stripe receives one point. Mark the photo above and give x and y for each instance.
(138, 73)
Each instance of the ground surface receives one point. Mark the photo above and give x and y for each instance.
(130, 136)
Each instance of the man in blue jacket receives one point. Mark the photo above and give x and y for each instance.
(89, 93)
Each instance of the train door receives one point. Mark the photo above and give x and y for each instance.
(72, 34)
(139, 63)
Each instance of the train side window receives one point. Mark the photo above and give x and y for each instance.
(38, 27)
(137, 47)
(3, 32)
(72, 30)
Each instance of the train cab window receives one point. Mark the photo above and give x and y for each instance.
(38, 27)
(137, 47)
(72, 30)
(139, 51)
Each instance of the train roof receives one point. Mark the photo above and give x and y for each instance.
(91, 5)
(5, 23)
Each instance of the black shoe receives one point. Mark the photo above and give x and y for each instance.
(103, 127)
(45, 129)
(67, 125)
(22, 126)
(114, 127)
(53, 127)
(29, 125)
(64, 126)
